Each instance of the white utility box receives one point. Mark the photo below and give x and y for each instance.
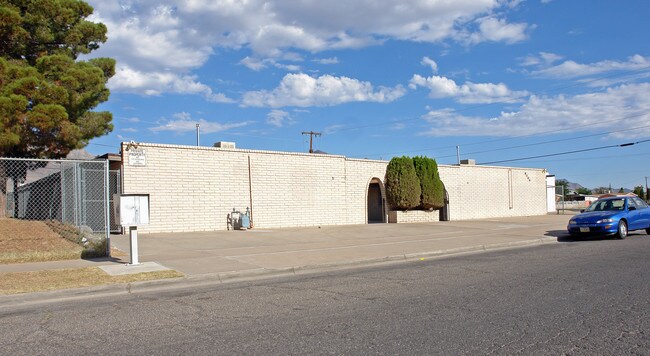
(133, 209)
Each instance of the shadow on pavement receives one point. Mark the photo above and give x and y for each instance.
(563, 236)
(102, 259)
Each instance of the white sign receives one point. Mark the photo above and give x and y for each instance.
(137, 157)
(134, 209)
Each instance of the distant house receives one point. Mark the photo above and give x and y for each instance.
(573, 196)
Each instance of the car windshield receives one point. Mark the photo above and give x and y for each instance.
(607, 205)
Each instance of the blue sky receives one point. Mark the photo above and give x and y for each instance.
(503, 80)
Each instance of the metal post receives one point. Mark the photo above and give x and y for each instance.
(107, 209)
(647, 196)
(458, 154)
(198, 131)
(133, 237)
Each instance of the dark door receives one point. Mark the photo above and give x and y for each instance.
(375, 204)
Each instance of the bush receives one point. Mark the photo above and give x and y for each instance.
(402, 185)
(438, 189)
(432, 190)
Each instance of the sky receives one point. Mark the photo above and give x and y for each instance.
(551, 84)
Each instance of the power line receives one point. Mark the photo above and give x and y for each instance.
(529, 135)
(565, 153)
(551, 141)
(593, 158)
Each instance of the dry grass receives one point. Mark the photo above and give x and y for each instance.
(33, 241)
(28, 282)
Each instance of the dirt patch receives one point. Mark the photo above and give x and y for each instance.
(30, 241)
(28, 282)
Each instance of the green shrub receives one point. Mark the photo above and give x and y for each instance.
(424, 170)
(402, 184)
(438, 189)
(432, 196)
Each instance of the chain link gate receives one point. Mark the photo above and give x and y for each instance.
(71, 196)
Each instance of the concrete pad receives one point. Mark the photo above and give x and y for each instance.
(122, 269)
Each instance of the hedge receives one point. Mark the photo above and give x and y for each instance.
(402, 184)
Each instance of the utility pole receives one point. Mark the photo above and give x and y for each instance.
(311, 139)
(198, 130)
(647, 196)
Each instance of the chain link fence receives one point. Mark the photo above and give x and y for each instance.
(71, 196)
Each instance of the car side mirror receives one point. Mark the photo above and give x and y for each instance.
(631, 208)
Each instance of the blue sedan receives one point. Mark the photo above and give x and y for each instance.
(612, 216)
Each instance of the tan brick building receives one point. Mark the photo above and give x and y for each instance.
(195, 188)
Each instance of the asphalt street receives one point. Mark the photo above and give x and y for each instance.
(574, 297)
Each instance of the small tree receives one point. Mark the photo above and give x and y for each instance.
(432, 195)
(583, 191)
(402, 184)
(47, 95)
(638, 190)
(565, 186)
(621, 191)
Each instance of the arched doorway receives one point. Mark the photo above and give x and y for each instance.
(444, 212)
(375, 202)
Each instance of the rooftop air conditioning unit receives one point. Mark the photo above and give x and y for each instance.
(469, 162)
(223, 144)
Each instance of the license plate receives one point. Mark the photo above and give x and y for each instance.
(584, 229)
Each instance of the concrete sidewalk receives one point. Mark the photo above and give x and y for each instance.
(234, 253)
(224, 255)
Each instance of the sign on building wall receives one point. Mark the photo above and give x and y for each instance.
(137, 157)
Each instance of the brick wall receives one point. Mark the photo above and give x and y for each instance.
(413, 216)
(195, 188)
(485, 192)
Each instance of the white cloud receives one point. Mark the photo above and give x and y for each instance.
(398, 126)
(157, 83)
(303, 91)
(497, 30)
(184, 123)
(571, 69)
(252, 63)
(279, 118)
(624, 106)
(468, 93)
(332, 129)
(153, 36)
(258, 64)
(332, 60)
(426, 61)
(543, 59)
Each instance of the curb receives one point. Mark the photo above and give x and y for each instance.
(212, 279)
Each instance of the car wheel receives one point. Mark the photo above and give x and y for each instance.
(622, 230)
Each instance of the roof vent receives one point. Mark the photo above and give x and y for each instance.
(469, 162)
(223, 144)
